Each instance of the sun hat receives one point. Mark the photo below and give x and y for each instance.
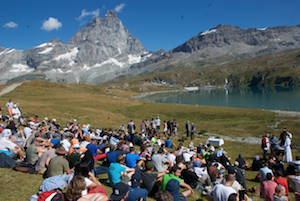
(150, 165)
(60, 151)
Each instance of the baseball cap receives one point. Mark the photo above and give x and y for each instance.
(136, 180)
(119, 191)
(197, 163)
(150, 165)
(76, 146)
(173, 188)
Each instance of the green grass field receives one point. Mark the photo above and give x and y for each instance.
(111, 108)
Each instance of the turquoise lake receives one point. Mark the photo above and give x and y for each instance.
(263, 97)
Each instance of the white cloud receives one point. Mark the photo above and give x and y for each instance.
(50, 24)
(94, 13)
(120, 7)
(10, 25)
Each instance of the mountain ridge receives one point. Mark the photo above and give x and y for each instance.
(104, 49)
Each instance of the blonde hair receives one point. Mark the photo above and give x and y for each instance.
(77, 185)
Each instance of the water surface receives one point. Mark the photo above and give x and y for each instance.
(266, 97)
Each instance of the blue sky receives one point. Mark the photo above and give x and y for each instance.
(158, 24)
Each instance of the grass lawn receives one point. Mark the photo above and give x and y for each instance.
(111, 108)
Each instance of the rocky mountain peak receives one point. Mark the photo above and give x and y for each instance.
(110, 14)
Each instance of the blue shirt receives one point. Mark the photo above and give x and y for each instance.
(168, 143)
(101, 146)
(111, 157)
(55, 141)
(131, 160)
(114, 173)
(136, 193)
(274, 141)
(93, 148)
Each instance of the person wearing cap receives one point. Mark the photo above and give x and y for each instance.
(120, 192)
(151, 181)
(9, 106)
(58, 165)
(15, 112)
(274, 141)
(75, 157)
(257, 163)
(135, 192)
(97, 154)
(173, 187)
(116, 170)
(223, 191)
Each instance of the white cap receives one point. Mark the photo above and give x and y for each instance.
(46, 118)
(76, 146)
(53, 119)
(75, 120)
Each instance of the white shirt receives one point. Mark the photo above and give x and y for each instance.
(157, 121)
(27, 131)
(172, 158)
(296, 179)
(6, 144)
(84, 144)
(9, 105)
(66, 144)
(187, 157)
(16, 113)
(221, 192)
(200, 171)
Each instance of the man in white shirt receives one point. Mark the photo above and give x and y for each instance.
(27, 131)
(172, 157)
(157, 122)
(9, 105)
(223, 191)
(8, 146)
(16, 114)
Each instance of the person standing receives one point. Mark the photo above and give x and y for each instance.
(15, 112)
(193, 129)
(287, 150)
(147, 125)
(175, 124)
(188, 129)
(142, 126)
(166, 129)
(157, 123)
(9, 105)
(265, 145)
(131, 130)
(170, 126)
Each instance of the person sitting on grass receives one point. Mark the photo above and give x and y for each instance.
(116, 170)
(161, 163)
(132, 159)
(151, 181)
(9, 147)
(175, 173)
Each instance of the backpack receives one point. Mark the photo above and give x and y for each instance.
(25, 167)
(51, 196)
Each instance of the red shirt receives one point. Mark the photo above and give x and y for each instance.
(282, 181)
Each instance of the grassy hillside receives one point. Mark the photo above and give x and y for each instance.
(109, 108)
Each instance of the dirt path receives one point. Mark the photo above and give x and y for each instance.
(10, 88)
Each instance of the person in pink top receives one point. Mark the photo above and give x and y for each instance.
(268, 188)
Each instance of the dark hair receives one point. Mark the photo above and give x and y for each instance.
(131, 149)
(269, 176)
(160, 151)
(179, 159)
(163, 196)
(278, 173)
(232, 197)
(57, 145)
(174, 169)
(82, 169)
